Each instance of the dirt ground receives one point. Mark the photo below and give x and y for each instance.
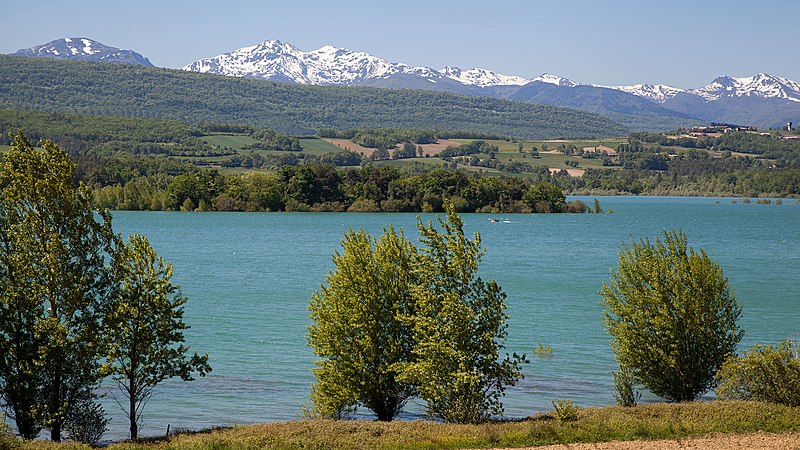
(347, 144)
(428, 149)
(754, 441)
(571, 172)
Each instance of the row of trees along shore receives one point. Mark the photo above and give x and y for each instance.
(322, 187)
(78, 304)
(394, 321)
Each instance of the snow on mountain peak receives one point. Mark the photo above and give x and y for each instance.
(482, 77)
(276, 60)
(658, 93)
(760, 85)
(329, 65)
(83, 49)
(555, 79)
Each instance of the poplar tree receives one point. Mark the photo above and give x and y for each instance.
(145, 326)
(672, 316)
(54, 285)
(459, 328)
(357, 329)
(395, 321)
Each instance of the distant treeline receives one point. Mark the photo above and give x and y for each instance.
(137, 91)
(322, 187)
(749, 182)
(772, 146)
(85, 133)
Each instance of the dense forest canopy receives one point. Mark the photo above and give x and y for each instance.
(134, 91)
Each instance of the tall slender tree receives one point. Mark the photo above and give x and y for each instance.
(145, 316)
(459, 328)
(54, 280)
(357, 329)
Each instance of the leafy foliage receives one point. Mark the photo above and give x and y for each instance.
(625, 392)
(566, 410)
(133, 91)
(357, 328)
(765, 373)
(394, 321)
(672, 316)
(470, 148)
(61, 305)
(87, 423)
(54, 283)
(545, 198)
(145, 319)
(459, 329)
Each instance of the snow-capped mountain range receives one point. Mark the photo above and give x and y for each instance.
(762, 100)
(83, 49)
(328, 65)
(762, 85)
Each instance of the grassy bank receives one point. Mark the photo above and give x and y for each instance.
(657, 421)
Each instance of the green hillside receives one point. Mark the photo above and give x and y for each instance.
(134, 91)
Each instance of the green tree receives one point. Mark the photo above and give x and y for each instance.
(145, 328)
(459, 328)
(672, 316)
(408, 150)
(544, 198)
(54, 285)
(357, 329)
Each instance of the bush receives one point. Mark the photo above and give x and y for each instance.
(565, 410)
(576, 207)
(6, 436)
(364, 205)
(543, 350)
(765, 373)
(672, 316)
(87, 422)
(625, 392)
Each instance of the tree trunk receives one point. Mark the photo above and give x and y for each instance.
(132, 411)
(55, 403)
(55, 431)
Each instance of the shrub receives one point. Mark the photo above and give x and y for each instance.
(765, 373)
(576, 207)
(364, 205)
(543, 350)
(625, 392)
(87, 422)
(565, 410)
(672, 316)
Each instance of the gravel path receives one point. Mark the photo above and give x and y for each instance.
(754, 441)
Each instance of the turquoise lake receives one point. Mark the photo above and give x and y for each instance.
(249, 276)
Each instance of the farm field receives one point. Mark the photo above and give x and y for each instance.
(232, 141)
(318, 146)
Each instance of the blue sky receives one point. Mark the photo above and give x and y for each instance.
(682, 43)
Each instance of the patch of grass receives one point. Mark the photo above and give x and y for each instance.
(233, 141)
(653, 421)
(318, 146)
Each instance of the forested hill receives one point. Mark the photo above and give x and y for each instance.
(125, 90)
